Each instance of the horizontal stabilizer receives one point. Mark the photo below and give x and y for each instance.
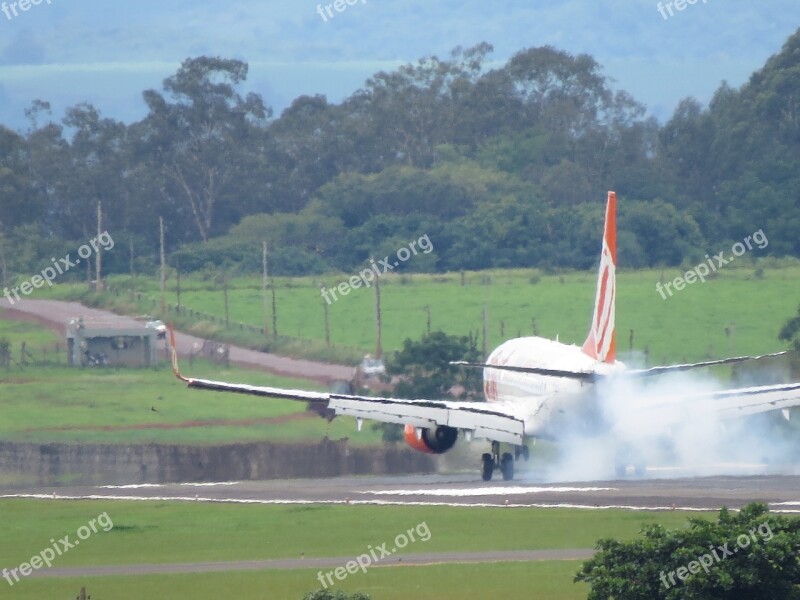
(632, 373)
(582, 375)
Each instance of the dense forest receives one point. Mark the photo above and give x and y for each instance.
(501, 167)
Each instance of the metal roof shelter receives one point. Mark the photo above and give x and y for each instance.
(112, 341)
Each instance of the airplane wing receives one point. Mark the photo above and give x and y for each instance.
(495, 421)
(662, 413)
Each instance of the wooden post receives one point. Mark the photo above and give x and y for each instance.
(274, 310)
(163, 265)
(325, 316)
(3, 266)
(378, 323)
(98, 255)
(427, 309)
(133, 272)
(265, 284)
(485, 347)
(225, 299)
(178, 284)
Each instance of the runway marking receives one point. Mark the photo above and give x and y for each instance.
(136, 486)
(487, 491)
(356, 502)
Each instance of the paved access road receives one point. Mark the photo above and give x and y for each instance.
(55, 314)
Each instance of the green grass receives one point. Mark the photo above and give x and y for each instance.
(71, 405)
(34, 335)
(544, 580)
(161, 532)
(155, 533)
(690, 325)
(64, 404)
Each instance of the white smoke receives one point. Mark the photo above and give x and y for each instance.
(659, 427)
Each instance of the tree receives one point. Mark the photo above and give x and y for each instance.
(205, 141)
(425, 371)
(752, 555)
(791, 331)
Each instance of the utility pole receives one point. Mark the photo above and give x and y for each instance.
(98, 255)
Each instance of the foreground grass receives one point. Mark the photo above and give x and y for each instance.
(160, 532)
(548, 580)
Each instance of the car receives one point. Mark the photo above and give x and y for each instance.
(161, 329)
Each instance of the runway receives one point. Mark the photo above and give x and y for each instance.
(780, 492)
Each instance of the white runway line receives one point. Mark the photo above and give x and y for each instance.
(136, 486)
(356, 502)
(487, 491)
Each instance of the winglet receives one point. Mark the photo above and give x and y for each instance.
(174, 350)
(601, 343)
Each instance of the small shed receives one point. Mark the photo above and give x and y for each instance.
(112, 341)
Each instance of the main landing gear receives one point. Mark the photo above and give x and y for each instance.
(504, 463)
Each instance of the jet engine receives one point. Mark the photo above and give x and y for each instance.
(431, 441)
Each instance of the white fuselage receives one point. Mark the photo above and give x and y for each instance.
(541, 399)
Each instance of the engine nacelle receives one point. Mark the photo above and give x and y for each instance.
(436, 441)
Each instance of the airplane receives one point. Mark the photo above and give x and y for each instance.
(537, 388)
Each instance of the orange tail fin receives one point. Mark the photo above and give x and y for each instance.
(601, 343)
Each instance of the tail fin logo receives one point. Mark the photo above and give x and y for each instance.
(601, 342)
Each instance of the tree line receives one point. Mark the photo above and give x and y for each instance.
(500, 167)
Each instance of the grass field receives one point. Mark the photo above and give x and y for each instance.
(155, 532)
(542, 580)
(62, 404)
(740, 311)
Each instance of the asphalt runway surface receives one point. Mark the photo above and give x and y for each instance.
(780, 492)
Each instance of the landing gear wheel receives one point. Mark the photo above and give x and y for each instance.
(487, 466)
(507, 467)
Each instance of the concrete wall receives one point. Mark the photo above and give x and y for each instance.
(53, 464)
